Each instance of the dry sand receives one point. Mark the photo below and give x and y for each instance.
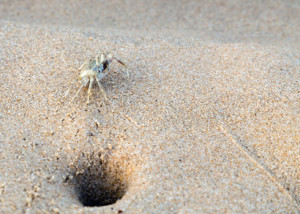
(207, 122)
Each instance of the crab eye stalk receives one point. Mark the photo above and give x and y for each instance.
(101, 58)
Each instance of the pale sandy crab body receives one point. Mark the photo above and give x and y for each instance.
(93, 70)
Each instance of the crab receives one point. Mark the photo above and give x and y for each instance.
(95, 69)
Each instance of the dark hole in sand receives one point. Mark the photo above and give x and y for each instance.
(97, 183)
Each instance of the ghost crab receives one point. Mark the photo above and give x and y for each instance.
(95, 69)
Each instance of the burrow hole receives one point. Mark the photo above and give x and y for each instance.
(98, 180)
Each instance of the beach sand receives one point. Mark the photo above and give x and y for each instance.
(206, 122)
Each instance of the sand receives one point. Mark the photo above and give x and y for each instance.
(207, 122)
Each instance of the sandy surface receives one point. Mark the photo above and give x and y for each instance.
(208, 120)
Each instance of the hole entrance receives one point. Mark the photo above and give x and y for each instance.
(98, 181)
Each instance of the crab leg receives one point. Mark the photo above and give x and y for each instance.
(122, 63)
(84, 64)
(90, 87)
(83, 83)
(119, 61)
(77, 92)
(80, 68)
(101, 88)
(70, 87)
